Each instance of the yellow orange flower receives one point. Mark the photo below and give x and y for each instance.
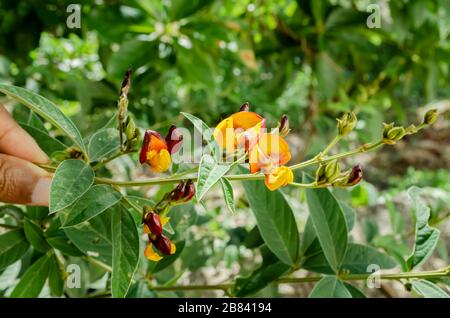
(279, 177)
(270, 152)
(239, 131)
(155, 152)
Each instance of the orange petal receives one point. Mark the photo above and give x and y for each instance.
(280, 177)
(150, 254)
(157, 142)
(245, 120)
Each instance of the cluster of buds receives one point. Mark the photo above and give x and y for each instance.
(391, 133)
(330, 174)
(153, 227)
(126, 123)
(155, 218)
(156, 151)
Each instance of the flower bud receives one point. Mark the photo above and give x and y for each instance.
(392, 134)
(355, 175)
(126, 82)
(430, 116)
(320, 175)
(332, 170)
(245, 107)
(346, 123)
(189, 190)
(162, 243)
(174, 139)
(130, 129)
(123, 99)
(183, 192)
(153, 223)
(283, 126)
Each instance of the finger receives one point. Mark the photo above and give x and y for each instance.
(16, 142)
(21, 182)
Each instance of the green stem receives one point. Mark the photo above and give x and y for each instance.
(176, 179)
(231, 177)
(297, 280)
(98, 263)
(331, 145)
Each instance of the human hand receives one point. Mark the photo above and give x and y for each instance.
(21, 181)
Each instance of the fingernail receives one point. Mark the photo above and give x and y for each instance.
(41, 192)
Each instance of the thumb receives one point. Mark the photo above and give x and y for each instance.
(22, 182)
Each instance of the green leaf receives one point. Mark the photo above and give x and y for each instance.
(35, 236)
(355, 292)
(44, 140)
(228, 195)
(330, 287)
(94, 237)
(96, 200)
(428, 289)
(270, 269)
(47, 110)
(426, 237)
(61, 242)
(253, 239)
(209, 172)
(357, 260)
(103, 143)
(37, 213)
(125, 251)
(275, 220)
(13, 246)
(71, 180)
(328, 75)
(32, 282)
(204, 130)
(329, 222)
(34, 121)
(168, 260)
(56, 277)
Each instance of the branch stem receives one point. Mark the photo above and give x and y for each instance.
(298, 280)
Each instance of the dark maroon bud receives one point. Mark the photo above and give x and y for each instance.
(145, 145)
(153, 223)
(127, 79)
(245, 107)
(283, 128)
(174, 140)
(355, 175)
(189, 190)
(162, 243)
(178, 192)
